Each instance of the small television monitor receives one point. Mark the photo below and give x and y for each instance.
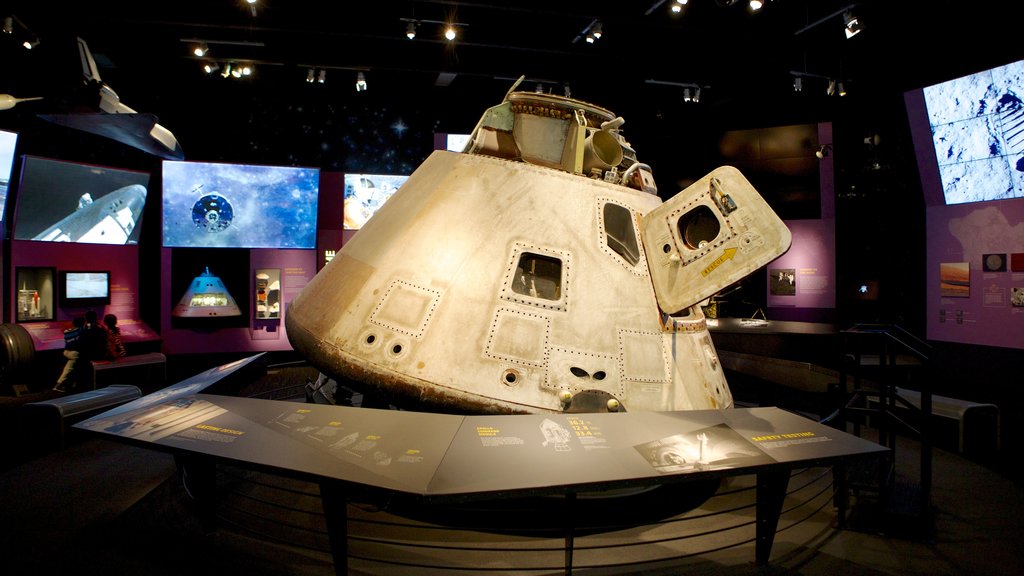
(84, 288)
(8, 140)
(365, 194)
(215, 205)
(60, 201)
(968, 136)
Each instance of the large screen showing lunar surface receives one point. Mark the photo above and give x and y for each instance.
(977, 125)
(212, 205)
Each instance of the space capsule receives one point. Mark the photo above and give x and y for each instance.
(537, 271)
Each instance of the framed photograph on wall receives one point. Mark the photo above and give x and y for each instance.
(268, 293)
(36, 289)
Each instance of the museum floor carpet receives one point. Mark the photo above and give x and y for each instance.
(97, 507)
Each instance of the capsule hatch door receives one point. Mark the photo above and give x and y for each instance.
(708, 236)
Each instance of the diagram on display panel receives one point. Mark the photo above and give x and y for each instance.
(537, 271)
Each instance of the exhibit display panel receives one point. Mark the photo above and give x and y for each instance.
(61, 201)
(969, 148)
(36, 290)
(213, 205)
(8, 142)
(365, 194)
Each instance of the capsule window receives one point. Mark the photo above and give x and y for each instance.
(620, 234)
(699, 227)
(538, 276)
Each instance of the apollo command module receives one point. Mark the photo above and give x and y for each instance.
(537, 271)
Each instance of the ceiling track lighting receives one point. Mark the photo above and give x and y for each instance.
(677, 6)
(200, 49)
(852, 24)
(410, 30)
(321, 78)
(591, 33)
(210, 67)
(756, 5)
(360, 82)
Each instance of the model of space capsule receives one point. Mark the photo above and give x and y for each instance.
(537, 271)
(206, 297)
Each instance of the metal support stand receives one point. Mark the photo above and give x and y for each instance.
(771, 491)
(335, 504)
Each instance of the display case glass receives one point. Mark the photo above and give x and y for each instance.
(35, 289)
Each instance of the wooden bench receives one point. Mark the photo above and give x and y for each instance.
(45, 421)
(153, 366)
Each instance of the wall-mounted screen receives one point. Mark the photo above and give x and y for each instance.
(210, 205)
(977, 132)
(8, 140)
(61, 201)
(365, 194)
(84, 289)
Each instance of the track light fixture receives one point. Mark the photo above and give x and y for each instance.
(831, 90)
(360, 82)
(200, 49)
(798, 84)
(677, 6)
(449, 32)
(210, 67)
(756, 5)
(310, 75)
(322, 77)
(823, 151)
(596, 31)
(410, 30)
(853, 26)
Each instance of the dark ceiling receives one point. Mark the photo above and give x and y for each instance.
(742, 60)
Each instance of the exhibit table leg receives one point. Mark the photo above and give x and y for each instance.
(771, 491)
(841, 494)
(335, 504)
(199, 477)
(570, 534)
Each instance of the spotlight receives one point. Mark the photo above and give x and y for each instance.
(842, 90)
(247, 70)
(236, 72)
(309, 75)
(677, 6)
(410, 30)
(853, 26)
(226, 72)
(9, 25)
(210, 68)
(687, 96)
(322, 77)
(696, 94)
(360, 82)
(30, 44)
(200, 50)
(596, 31)
(798, 84)
(449, 33)
(823, 151)
(831, 90)
(756, 5)
(590, 38)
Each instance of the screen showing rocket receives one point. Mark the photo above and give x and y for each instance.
(213, 205)
(60, 201)
(977, 126)
(365, 194)
(8, 140)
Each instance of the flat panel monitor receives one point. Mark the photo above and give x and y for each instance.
(60, 201)
(84, 288)
(976, 125)
(8, 141)
(214, 205)
(365, 194)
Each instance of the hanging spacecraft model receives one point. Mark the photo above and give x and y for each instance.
(537, 271)
(110, 220)
(206, 297)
